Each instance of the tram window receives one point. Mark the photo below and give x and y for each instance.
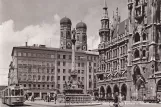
(17, 92)
(12, 92)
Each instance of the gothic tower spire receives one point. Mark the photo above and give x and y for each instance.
(104, 31)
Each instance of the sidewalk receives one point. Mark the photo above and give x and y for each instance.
(41, 102)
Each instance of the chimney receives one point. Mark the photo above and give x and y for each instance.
(26, 44)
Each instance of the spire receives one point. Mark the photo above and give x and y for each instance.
(105, 7)
(117, 11)
(105, 16)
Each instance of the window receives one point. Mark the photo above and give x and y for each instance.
(39, 77)
(29, 85)
(90, 84)
(48, 78)
(70, 57)
(64, 78)
(52, 56)
(78, 71)
(19, 53)
(64, 57)
(78, 64)
(78, 78)
(137, 37)
(24, 54)
(144, 53)
(52, 78)
(58, 77)
(69, 70)
(34, 55)
(78, 57)
(64, 63)
(82, 71)
(94, 64)
(43, 77)
(89, 76)
(82, 78)
(47, 86)
(90, 70)
(64, 71)
(144, 36)
(43, 86)
(82, 64)
(34, 85)
(89, 63)
(58, 71)
(58, 85)
(52, 85)
(58, 63)
(29, 54)
(68, 78)
(39, 86)
(52, 70)
(136, 53)
(58, 56)
(47, 70)
(24, 85)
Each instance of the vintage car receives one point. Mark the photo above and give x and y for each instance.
(152, 100)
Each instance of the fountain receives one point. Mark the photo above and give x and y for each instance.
(73, 88)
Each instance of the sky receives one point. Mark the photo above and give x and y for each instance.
(38, 22)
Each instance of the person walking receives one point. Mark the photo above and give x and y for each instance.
(116, 99)
(55, 97)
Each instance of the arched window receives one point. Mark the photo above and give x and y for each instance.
(144, 53)
(136, 37)
(136, 53)
(144, 36)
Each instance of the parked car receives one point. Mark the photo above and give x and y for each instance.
(152, 100)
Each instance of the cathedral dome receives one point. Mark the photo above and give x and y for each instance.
(81, 25)
(65, 20)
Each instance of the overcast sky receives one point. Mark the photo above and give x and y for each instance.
(38, 20)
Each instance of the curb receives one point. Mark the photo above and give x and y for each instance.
(63, 105)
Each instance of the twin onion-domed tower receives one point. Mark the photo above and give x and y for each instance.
(65, 35)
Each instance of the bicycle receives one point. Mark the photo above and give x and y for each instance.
(120, 104)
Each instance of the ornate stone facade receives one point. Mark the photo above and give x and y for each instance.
(130, 52)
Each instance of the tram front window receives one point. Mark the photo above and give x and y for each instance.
(17, 92)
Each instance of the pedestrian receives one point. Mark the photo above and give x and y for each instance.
(55, 97)
(116, 100)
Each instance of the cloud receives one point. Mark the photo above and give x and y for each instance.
(43, 33)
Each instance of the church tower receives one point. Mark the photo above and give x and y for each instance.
(104, 32)
(65, 33)
(81, 36)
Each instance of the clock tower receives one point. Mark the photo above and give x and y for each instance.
(65, 33)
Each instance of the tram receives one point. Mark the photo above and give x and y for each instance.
(13, 95)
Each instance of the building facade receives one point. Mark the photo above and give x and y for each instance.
(43, 70)
(130, 52)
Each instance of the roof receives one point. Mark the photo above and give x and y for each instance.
(121, 28)
(81, 25)
(65, 20)
(2, 87)
(52, 49)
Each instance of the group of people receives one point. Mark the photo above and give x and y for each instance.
(48, 98)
